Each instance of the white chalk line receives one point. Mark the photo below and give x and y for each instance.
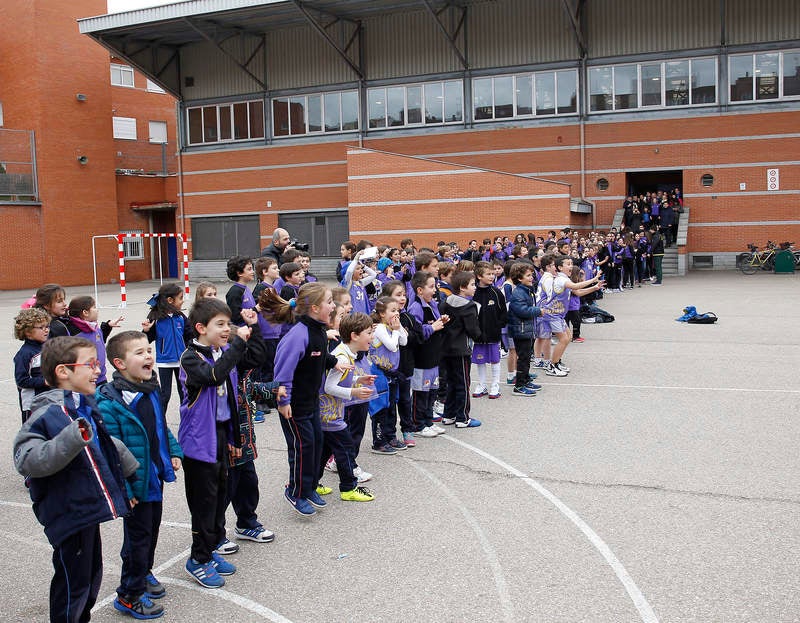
(640, 603)
(242, 602)
(16, 504)
(675, 388)
(488, 549)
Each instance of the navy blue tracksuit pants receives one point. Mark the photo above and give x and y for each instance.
(303, 433)
(243, 494)
(140, 535)
(78, 565)
(340, 444)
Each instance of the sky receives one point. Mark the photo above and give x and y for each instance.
(117, 6)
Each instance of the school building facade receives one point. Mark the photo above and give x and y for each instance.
(87, 148)
(460, 119)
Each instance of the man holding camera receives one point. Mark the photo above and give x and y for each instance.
(280, 241)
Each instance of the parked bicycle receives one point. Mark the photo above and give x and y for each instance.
(756, 260)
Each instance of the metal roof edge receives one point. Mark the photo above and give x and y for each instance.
(166, 12)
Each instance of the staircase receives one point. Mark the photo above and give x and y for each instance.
(674, 264)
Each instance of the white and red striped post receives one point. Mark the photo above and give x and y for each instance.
(121, 250)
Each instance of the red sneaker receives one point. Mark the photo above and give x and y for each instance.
(578, 339)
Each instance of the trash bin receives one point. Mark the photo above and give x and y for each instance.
(784, 262)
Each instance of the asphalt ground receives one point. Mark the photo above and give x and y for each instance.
(659, 481)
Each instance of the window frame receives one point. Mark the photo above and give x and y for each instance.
(231, 105)
(123, 70)
(422, 123)
(532, 76)
(662, 85)
(133, 247)
(150, 123)
(323, 97)
(754, 99)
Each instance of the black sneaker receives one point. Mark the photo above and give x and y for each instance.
(139, 608)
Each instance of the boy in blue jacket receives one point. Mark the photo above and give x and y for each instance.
(131, 406)
(522, 313)
(76, 472)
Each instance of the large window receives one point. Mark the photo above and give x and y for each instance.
(315, 114)
(133, 247)
(238, 121)
(688, 82)
(764, 76)
(219, 238)
(537, 94)
(121, 75)
(432, 103)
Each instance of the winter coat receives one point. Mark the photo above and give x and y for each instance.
(521, 312)
(493, 313)
(462, 329)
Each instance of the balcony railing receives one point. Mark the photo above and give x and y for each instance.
(18, 182)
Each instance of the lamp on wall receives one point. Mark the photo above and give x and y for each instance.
(80, 97)
(83, 159)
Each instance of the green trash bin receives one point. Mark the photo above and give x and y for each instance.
(784, 262)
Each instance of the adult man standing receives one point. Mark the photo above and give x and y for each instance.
(280, 241)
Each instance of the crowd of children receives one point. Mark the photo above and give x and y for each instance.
(396, 341)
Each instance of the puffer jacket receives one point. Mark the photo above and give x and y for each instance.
(74, 482)
(522, 312)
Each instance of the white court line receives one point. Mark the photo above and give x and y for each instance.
(491, 554)
(176, 524)
(639, 601)
(16, 504)
(221, 593)
(678, 387)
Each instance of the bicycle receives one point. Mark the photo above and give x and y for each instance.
(758, 260)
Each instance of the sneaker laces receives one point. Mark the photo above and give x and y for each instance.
(363, 490)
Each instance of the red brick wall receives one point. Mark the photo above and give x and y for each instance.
(433, 200)
(719, 145)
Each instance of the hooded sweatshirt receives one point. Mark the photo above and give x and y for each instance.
(463, 328)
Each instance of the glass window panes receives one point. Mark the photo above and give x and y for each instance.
(791, 74)
(434, 103)
(567, 96)
(315, 113)
(704, 81)
(256, 111)
(210, 124)
(676, 83)
(545, 94)
(523, 91)
(195, 124)
(626, 87)
(414, 104)
(766, 73)
(600, 88)
(503, 97)
(240, 124)
(453, 102)
(280, 117)
(377, 108)
(225, 123)
(332, 112)
(297, 115)
(396, 106)
(651, 84)
(482, 97)
(122, 75)
(350, 110)
(740, 76)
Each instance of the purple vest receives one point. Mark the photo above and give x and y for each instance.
(385, 359)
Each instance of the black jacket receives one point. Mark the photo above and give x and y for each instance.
(463, 328)
(493, 314)
(415, 338)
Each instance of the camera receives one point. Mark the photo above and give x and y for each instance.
(300, 246)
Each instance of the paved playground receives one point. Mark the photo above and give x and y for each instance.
(659, 481)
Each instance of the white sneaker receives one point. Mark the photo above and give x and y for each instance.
(361, 475)
(480, 391)
(438, 407)
(447, 421)
(426, 432)
(494, 390)
(331, 465)
(554, 371)
(438, 429)
(560, 365)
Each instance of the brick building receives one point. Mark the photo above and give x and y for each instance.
(390, 118)
(86, 149)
